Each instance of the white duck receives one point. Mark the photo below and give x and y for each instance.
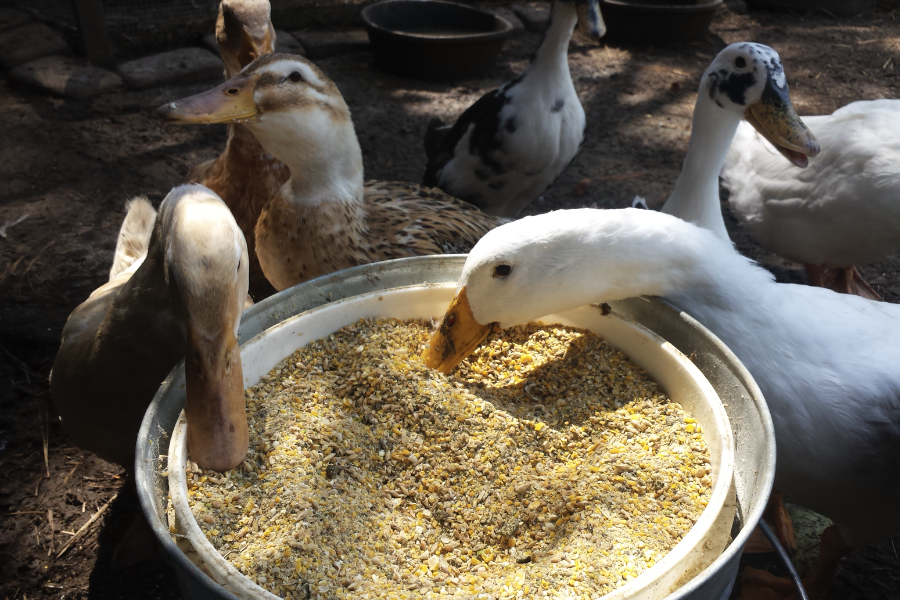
(745, 81)
(176, 293)
(844, 210)
(513, 143)
(826, 362)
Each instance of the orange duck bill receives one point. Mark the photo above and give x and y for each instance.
(457, 335)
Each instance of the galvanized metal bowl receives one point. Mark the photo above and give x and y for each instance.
(750, 421)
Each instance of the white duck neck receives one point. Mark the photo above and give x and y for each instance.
(585, 256)
(656, 258)
(554, 50)
(323, 155)
(696, 195)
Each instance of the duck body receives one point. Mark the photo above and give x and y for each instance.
(244, 176)
(91, 374)
(393, 220)
(834, 394)
(515, 141)
(182, 297)
(325, 218)
(844, 209)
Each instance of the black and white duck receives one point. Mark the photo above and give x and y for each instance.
(514, 142)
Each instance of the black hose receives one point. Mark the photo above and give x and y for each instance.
(785, 559)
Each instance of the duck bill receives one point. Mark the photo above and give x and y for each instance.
(231, 102)
(590, 20)
(217, 432)
(457, 335)
(776, 120)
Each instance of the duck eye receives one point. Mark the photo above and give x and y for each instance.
(450, 321)
(295, 76)
(739, 62)
(502, 271)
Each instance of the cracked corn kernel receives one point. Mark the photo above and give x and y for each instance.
(371, 476)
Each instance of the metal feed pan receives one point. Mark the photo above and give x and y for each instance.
(749, 417)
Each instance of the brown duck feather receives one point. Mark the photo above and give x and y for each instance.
(245, 176)
(325, 218)
(394, 220)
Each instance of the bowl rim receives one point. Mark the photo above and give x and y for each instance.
(680, 9)
(659, 315)
(702, 533)
(504, 32)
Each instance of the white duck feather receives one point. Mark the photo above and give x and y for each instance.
(826, 362)
(841, 211)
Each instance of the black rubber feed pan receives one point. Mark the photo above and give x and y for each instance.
(658, 22)
(430, 39)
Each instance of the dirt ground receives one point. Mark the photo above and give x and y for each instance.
(71, 165)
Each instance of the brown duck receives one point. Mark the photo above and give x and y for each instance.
(245, 176)
(324, 218)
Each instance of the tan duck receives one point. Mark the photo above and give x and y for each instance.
(324, 219)
(176, 291)
(245, 176)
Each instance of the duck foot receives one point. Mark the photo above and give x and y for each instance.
(762, 585)
(850, 281)
(776, 515)
(843, 281)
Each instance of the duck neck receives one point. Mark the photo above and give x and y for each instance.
(554, 49)
(248, 176)
(324, 158)
(696, 195)
(243, 151)
(655, 259)
(146, 304)
(650, 254)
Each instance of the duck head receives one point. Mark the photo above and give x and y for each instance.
(295, 111)
(206, 271)
(749, 78)
(541, 265)
(590, 21)
(244, 32)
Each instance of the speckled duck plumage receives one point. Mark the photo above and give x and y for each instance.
(391, 220)
(515, 141)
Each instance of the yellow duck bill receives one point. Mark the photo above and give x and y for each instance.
(776, 120)
(457, 335)
(231, 102)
